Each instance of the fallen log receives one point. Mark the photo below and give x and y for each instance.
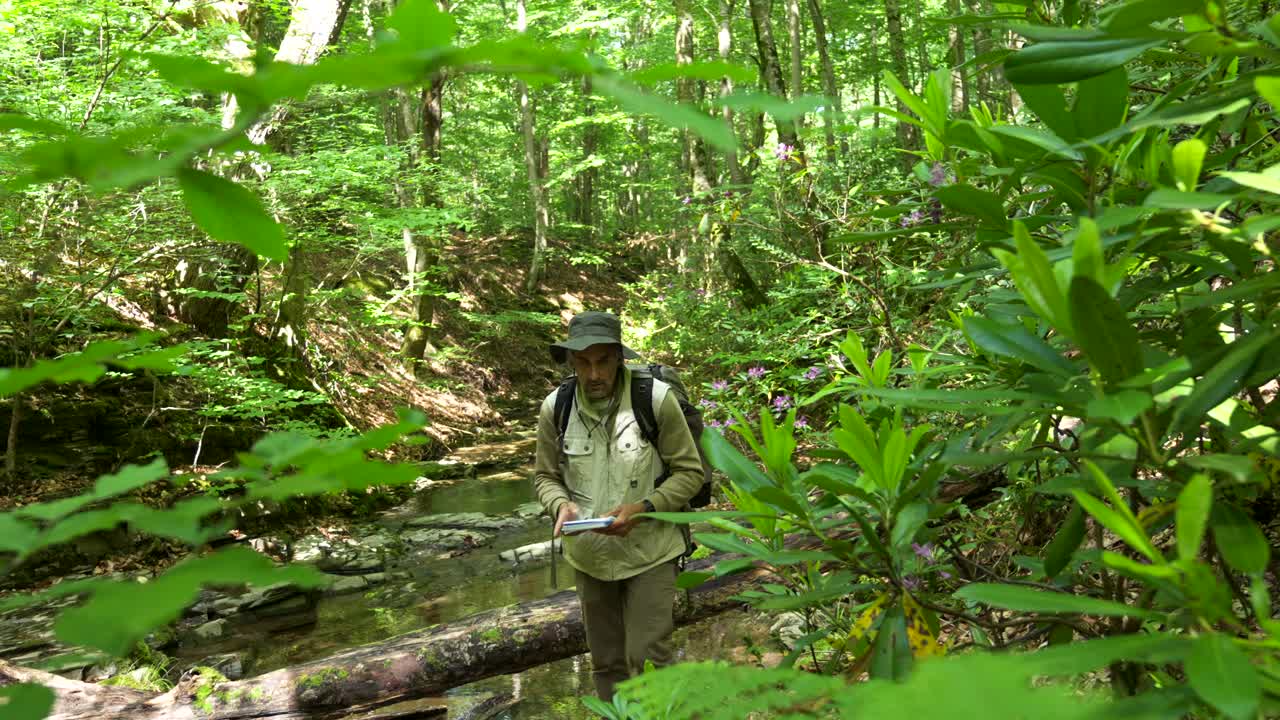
(415, 665)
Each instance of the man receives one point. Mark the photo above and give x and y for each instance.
(604, 466)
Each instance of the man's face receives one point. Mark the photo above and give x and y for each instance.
(597, 369)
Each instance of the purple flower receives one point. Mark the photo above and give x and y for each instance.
(708, 404)
(782, 402)
(719, 385)
(783, 152)
(925, 551)
(661, 298)
(756, 372)
(835, 361)
(945, 575)
(938, 175)
(686, 200)
(714, 423)
(913, 219)
(812, 373)
(910, 583)
(700, 292)
(802, 422)
(729, 421)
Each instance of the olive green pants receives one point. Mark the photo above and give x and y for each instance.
(627, 622)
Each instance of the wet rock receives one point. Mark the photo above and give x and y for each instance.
(344, 584)
(788, 628)
(529, 554)
(467, 521)
(231, 665)
(529, 510)
(425, 540)
(447, 469)
(98, 673)
(504, 454)
(208, 633)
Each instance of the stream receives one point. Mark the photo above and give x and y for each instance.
(460, 524)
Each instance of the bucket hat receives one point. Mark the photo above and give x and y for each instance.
(592, 328)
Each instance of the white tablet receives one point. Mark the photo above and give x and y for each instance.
(572, 527)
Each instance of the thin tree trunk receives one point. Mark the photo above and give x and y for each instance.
(541, 213)
(11, 444)
(955, 53)
(313, 26)
(832, 111)
(898, 55)
(922, 46)
(685, 94)
(981, 46)
(875, 77)
(587, 177)
(725, 48)
(761, 20)
(795, 40)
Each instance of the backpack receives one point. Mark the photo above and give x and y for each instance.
(642, 378)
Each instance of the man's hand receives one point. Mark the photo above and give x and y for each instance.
(568, 511)
(625, 519)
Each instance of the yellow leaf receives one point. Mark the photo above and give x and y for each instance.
(921, 639)
(863, 623)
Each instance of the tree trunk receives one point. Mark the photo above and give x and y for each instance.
(314, 25)
(981, 46)
(898, 55)
(770, 70)
(685, 94)
(922, 46)
(875, 78)
(794, 39)
(11, 443)
(541, 213)
(725, 47)
(414, 665)
(586, 181)
(956, 55)
(832, 111)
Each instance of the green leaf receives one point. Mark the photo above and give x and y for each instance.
(196, 73)
(891, 655)
(1138, 14)
(1069, 60)
(1119, 523)
(1269, 89)
(1240, 467)
(230, 213)
(1123, 406)
(692, 579)
(1239, 540)
(1103, 331)
(26, 701)
(1058, 554)
(1027, 599)
(1220, 382)
(16, 535)
(1168, 199)
(1101, 102)
(1046, 141)
(1222, 675)
(706, 70)
(971, 201)
(907, 524)
(1036, 280)
(726, 458)
(1087, 258)
(14, 121)
(421, 25)
(775, 107)
(713, 130)
(1188, 159)
(1194, 503)
(1266, 181)
(120, 614)
(1016, 342)
(1050, 105)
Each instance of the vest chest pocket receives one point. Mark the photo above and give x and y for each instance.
(635, 453)
(578, 457)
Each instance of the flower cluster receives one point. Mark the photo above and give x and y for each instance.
(783, 152)
(938, 175)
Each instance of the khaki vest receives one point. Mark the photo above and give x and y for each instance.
(603, 472)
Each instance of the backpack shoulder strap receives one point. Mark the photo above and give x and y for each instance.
(642, 404)
(564, 403)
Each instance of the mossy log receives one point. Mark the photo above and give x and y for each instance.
(420, 664)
